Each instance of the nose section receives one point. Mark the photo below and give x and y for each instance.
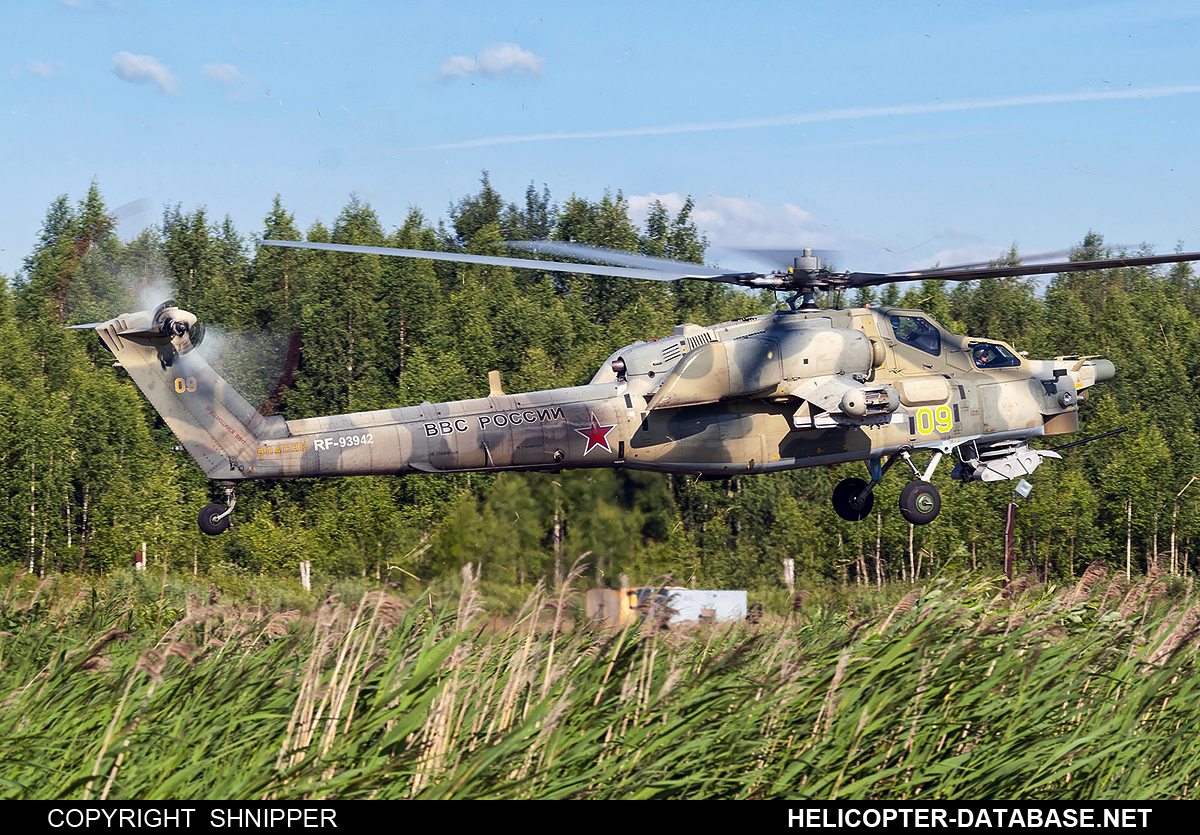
(1105, 370)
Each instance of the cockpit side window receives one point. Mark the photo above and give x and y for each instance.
(917, 332)
(991, 355)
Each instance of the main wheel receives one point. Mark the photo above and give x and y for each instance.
(845, 500)
(209, 521)
(920, 502)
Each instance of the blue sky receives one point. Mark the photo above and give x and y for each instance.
(902, 133)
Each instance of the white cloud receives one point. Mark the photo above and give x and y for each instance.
(226, 74)
(45, 69)
(138, 69)
(240, 87)
(457, 67)
(104, 5)
(496, 60)
(502, 58)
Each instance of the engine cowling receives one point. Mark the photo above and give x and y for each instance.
(765, 365)
(720, 370)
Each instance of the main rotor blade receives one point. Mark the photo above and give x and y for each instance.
(1038, 257)
(969, 273)
(683, 271)
(614, 256)
(637, 266)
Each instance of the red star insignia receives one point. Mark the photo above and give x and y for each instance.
(596, 435)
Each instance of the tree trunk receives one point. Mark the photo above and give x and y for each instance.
(879, 551)
(83, 529)
(32, 515)
(1128, 540)
(912, 558)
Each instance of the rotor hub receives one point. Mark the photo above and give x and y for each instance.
(806, 263)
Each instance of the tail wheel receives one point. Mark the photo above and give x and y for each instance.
(846, 503)
(214, 519)
(920, 502)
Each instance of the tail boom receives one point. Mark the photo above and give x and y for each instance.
(537, 431)
(230, 441)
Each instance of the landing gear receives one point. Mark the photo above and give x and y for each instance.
(214, 518)
(920, 502)
(852, 500)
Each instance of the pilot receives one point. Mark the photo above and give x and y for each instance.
(981, 356)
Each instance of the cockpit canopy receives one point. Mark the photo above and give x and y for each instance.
(918, 332)
(928, 347)
(992, 355)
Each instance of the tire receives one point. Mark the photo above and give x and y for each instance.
(920, 502)
(209, 523)
(843, 500)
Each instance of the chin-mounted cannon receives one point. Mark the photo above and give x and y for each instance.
(998, 462)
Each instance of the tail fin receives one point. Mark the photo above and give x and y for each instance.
(215, 424)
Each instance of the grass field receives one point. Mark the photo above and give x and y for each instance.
(948, 691)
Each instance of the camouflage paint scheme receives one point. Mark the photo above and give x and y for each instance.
(775, 392)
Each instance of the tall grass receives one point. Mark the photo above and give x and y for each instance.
(952, 691)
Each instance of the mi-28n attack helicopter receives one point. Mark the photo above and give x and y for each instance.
(803, 387)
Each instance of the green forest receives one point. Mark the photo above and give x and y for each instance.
(89, 471)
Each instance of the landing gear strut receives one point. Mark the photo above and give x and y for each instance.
(214, 518)
(920, 501)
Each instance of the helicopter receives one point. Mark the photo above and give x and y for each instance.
(800, 387)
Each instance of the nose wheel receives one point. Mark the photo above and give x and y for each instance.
(215, 518)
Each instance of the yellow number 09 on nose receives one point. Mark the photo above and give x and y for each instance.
(934, 420)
